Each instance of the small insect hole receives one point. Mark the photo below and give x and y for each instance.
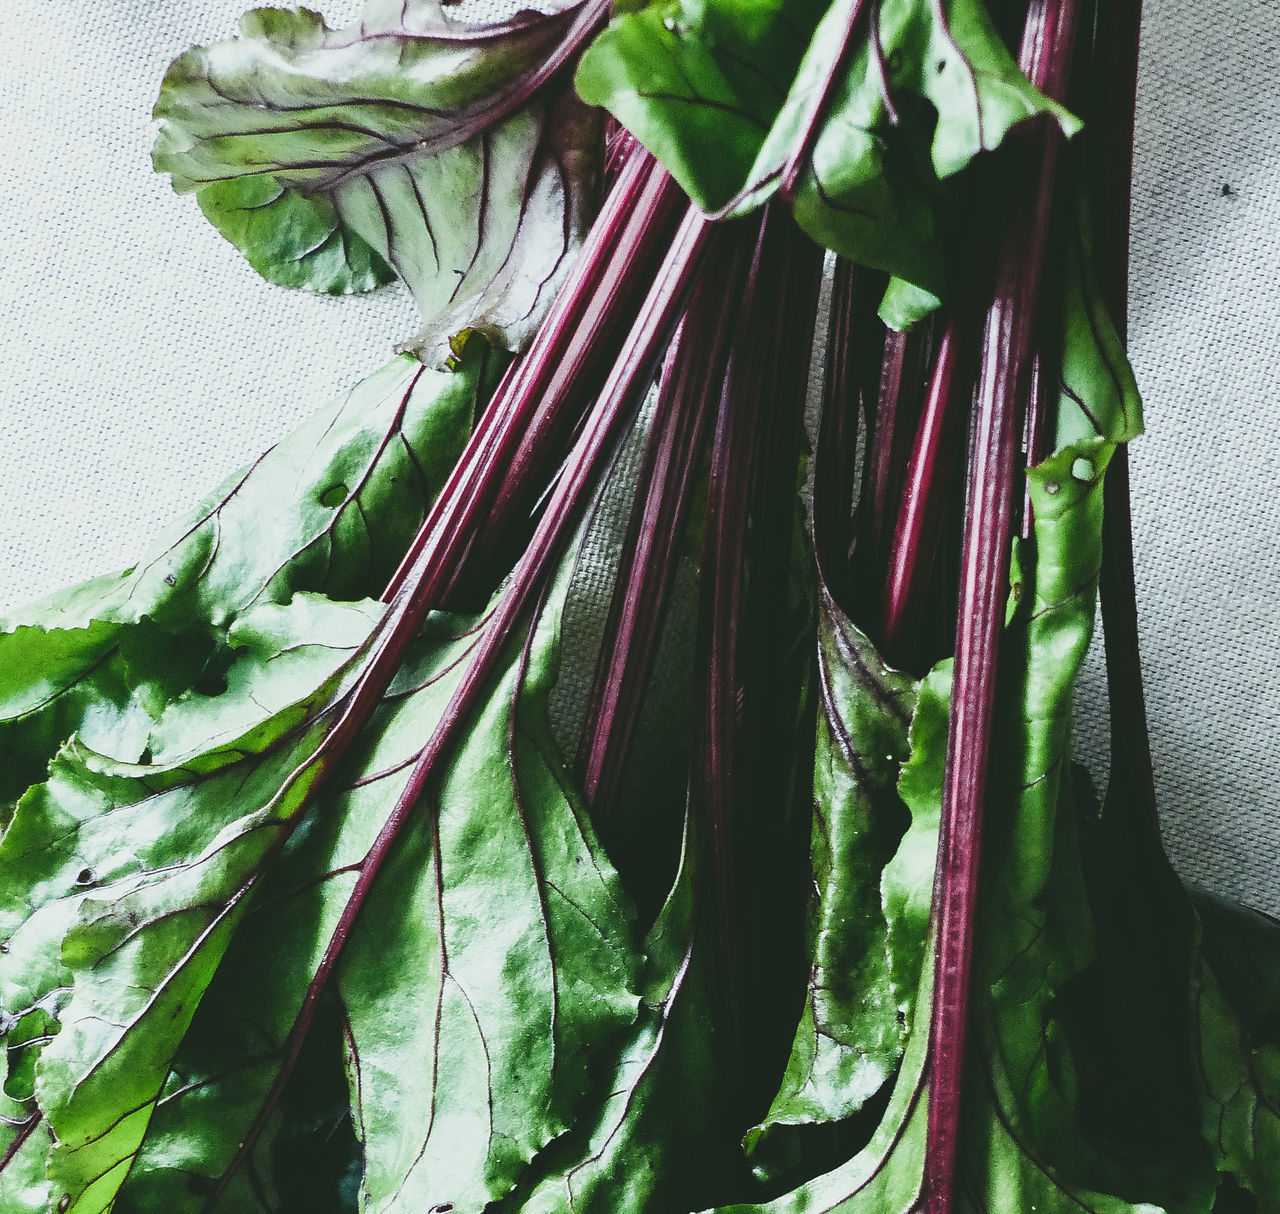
(443, 1208)
(333, 496)
(86, 876)
(64, 1203)
(1052, 488)
(1082, 469)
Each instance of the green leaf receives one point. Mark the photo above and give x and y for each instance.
(653, 1141)
(449, 154)
(330, 509)
(1241, 1092)
(514, 968)
(499, 888)
(852, 1029)
(1023, 1144)
(133, 877)
(726, 103)
(1099, 396)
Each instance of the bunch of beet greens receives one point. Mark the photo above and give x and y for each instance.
(634, 776)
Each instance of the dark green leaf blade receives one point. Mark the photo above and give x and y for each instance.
(700, 85)
(1240, 1092)
(653, 1141)
(923, 88)
(405, 141)
(1023, 1145)
(530, 906)
(519, 952)
(852, 1028)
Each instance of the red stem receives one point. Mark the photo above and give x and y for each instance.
(1002, 391)
(651, 551)
(835, 470)
(537, 398)
(720, 610)
(897, 415)
(25, 1131)
(931, 476)
(773, 794)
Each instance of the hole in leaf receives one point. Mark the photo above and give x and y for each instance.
(334, 496)
(1082, 469)
(86, 876)
(443, 1208)
(1052, 488)
(64, 1203)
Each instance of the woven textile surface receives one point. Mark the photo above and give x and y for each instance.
(144, 361)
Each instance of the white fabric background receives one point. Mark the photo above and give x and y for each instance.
(143, 360)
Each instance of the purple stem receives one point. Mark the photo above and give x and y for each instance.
(835, 459)
(27, 1128)
(773, 839)
(589, 343)
(651, 551)
(537, 398)
(898, 409)
(720, 610)
(932, 475)
(855, 347)
(1002, 390)
(607, 420)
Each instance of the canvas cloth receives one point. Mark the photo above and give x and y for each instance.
(143, 360)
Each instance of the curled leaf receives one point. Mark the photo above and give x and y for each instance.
(454, 156)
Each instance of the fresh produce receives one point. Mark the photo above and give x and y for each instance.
(603, 763)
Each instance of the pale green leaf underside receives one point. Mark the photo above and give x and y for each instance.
(331, 158)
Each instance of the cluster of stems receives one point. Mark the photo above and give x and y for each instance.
(911, 542)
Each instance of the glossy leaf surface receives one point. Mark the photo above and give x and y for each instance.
(853, 1027)
(729, 98)
(330, 509)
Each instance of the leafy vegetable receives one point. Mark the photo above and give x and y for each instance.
(342, 874)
